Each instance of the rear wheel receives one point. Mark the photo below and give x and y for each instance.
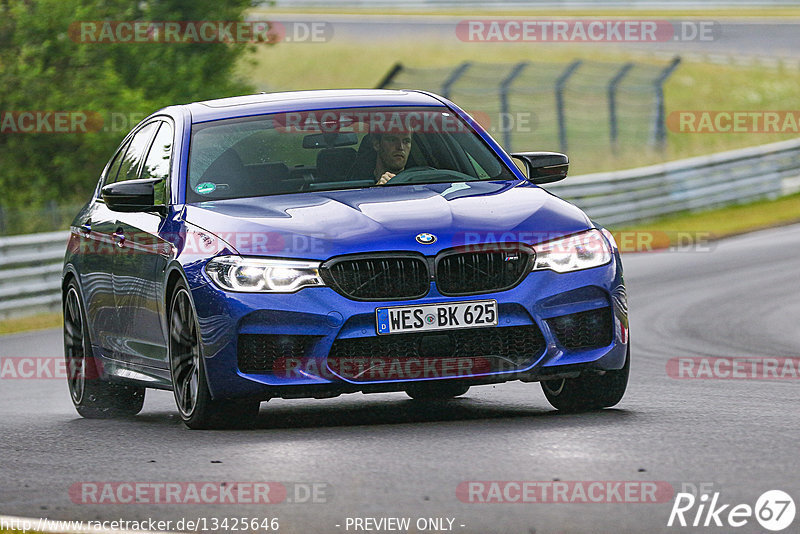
(435, 391)
(590, 391)
(93, 397)
(192, 396)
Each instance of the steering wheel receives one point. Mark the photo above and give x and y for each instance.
(410, 175)
(407, 175)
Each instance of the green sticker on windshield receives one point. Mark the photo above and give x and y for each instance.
(205, 188)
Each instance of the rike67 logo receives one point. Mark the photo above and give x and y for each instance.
(774, 510)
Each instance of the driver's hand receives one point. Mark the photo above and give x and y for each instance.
(385, 177)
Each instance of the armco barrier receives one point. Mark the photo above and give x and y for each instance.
(30, 265)
(626, 197)
(30, 272)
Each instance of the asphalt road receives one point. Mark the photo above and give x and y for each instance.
(387, 456)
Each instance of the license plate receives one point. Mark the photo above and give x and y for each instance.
(431, 317)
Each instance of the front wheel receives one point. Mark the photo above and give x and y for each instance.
(192, 396)
(589, 391)
(93, 397)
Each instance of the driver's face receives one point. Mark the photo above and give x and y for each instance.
(393, 150)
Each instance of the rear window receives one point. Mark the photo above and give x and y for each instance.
(334, 149)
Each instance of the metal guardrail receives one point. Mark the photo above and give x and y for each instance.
(30, 272)
(30, 265)
(737, 176)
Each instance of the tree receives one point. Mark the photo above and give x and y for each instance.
(44, 66)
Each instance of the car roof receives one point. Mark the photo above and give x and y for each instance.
(243, 106)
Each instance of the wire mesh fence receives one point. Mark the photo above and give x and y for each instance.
(577, 105)
(584, 107)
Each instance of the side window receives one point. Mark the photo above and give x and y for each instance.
(482, 174)
(157, 163)
(136, 150)
(113, 169)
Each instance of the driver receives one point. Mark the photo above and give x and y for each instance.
(392, 149)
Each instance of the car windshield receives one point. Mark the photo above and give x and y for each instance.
(334, 149)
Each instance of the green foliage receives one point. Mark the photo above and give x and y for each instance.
(45, 67)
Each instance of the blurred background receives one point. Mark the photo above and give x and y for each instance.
(77, 76)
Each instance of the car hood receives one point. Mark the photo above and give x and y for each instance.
(319, 225)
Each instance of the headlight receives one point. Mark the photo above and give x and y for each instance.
(573, 253)
(257, 275)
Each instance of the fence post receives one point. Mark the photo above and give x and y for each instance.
(453, 78)
(504, 108)
(561, 82)
(612, 103)
(387, 79)
(52, 208)
(659, 139)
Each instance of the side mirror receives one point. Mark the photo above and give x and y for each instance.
(132, 195)
(544, 167)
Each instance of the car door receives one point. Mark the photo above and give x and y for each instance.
(96, 249)
(128, 169)
(141, 263)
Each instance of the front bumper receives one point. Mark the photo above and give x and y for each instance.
(321, 344)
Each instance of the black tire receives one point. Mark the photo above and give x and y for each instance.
(93, 397)
(197, 408)
(435, 391)
(590, 391)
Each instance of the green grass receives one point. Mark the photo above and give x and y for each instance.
(710, 225)
(32, 322)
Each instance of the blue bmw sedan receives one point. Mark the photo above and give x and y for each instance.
(315, 243)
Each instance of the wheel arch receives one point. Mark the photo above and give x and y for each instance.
(174, 275)
(68, 274)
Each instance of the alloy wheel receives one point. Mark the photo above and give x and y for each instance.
(184, 353)
(75, 345)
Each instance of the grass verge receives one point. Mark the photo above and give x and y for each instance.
(701, 227)
(33, 322)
